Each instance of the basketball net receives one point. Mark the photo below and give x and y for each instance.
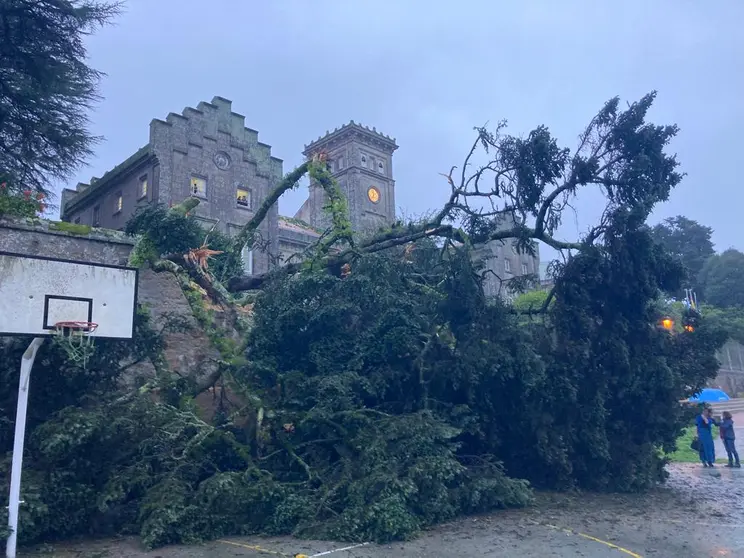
(76, 339)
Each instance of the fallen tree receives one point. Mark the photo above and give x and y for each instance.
(520, 192)
(375, 390)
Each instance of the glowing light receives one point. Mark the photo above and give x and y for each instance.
(667, 323)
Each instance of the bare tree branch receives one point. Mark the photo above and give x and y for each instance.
(533, 178)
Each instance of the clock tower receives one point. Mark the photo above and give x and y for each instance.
(361, 160)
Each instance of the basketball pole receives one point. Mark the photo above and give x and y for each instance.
(27, 362)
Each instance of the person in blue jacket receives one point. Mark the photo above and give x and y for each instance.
(728, 435)
(705, 422)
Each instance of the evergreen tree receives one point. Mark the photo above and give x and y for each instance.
(689, 242)
(721, 281)
(46, 87)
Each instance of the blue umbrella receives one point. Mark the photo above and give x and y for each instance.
(710, 395)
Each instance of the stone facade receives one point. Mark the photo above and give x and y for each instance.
(110, 201)
(502, 262)
(206, 152)
(361, 160)
(294, 238)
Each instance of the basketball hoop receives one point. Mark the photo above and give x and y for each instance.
(77, 340)
(37, 304)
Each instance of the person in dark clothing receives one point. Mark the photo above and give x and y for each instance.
(728, 435)
(705, 422)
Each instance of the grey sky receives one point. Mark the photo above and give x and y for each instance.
(427, 74)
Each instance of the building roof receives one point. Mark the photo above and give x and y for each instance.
(295, 225)
(371, 134)
(91, 190)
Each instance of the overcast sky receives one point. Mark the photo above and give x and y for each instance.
(426, 72)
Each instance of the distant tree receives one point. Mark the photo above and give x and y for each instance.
(730, 320)
(46, 87)
(721, 279)
(688, 241)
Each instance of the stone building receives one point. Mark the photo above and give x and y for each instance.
(205, 152)
(503, 262)
(362, 163)
(208, 152)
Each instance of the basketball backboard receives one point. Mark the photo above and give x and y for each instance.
(37, 292)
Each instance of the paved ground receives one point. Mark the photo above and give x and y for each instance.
(699, 514)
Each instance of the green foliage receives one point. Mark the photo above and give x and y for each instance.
(530, 301)
(618, 150)
(373, 451)
(689, 242)
(229, 349)
(165, 231)
(684, 453)
(375, 405)
(617, 377)
(58, 383)
(337, 207)
(729, 320)
(70, 228)
(47, 87)
(73, 439)
(720, 279)
(389, 393)
(15, 202)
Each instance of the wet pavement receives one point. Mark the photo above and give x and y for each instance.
(699, 514)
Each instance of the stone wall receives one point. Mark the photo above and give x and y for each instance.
(65, 241)
(188, 352)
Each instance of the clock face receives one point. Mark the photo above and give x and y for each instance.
(222, 160)
(373, 194)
